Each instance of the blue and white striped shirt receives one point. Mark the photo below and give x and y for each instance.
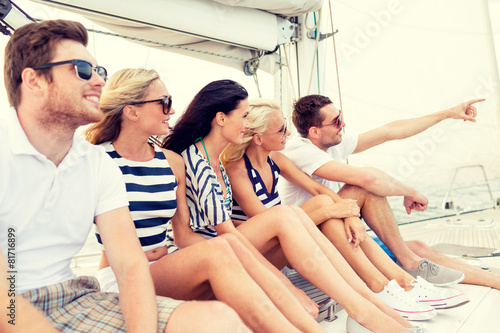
(151, 191)
(207, 206)
(268, 199)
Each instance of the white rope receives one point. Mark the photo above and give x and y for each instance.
(315, 51)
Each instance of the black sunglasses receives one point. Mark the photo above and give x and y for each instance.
(166, 103)
(83, 68)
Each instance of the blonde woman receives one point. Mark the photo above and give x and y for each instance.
(137, 105)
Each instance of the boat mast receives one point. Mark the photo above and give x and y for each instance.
(493, 56)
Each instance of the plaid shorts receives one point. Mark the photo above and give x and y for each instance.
(77, 305)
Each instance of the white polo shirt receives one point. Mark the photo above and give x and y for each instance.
(51, 209)
(309, 158)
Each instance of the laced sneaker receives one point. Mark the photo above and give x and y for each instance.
(408, 307)
(438, 298)
(436, 274)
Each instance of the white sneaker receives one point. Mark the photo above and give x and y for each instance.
(438, 298)
(407, 306)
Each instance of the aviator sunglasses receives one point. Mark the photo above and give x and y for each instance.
(282, 131)
(166, 103)
(337, 122)
(83, 68)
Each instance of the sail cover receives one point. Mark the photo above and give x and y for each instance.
(222, 31)
(282, 7)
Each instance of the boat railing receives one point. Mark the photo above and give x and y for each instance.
(448, 198)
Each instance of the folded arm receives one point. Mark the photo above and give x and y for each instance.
(355, 230)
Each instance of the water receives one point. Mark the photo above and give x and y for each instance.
(467, 196)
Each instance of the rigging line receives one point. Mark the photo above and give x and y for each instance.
(164, 44)
(335, 53)
(297, 69)
(320, 14)
(336, 63)
(289, 73)
(315, 52)
(281, 78)
(256, 80)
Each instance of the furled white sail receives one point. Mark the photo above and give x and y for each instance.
(227, 32)
(282, 7)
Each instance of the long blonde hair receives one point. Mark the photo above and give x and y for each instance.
(258, 118)
(124, 87)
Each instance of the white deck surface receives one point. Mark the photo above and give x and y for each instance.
(482, 313)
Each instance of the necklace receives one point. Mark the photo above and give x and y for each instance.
(206, 152)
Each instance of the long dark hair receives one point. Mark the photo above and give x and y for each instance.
(217, 96)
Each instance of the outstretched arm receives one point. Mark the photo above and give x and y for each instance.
(402, 129)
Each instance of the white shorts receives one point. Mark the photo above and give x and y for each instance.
(107, 279)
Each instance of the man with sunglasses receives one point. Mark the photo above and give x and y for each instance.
(54, 184)
(321, 151)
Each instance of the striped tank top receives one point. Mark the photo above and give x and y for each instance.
(151, 192)
(268, 199)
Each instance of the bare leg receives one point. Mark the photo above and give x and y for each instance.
(345, 270)
(473, 275)
(370, 262)
(279, 294)
(374, 279)
(210, 317)
(191, 272)
(379, 216)
(384, 264)
(281, 225)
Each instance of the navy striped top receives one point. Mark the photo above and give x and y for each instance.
(268, 199)
(151, 191)
(205, 199)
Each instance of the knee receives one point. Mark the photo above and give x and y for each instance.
(323, 200)
(220, 247)
(211, 316)
(223, 318)
(290, 216)
(231, 240)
